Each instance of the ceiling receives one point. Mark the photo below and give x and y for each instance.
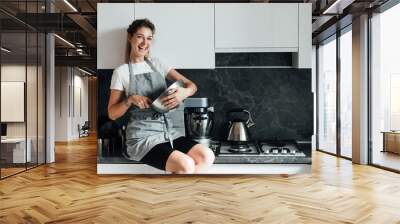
(76, 22)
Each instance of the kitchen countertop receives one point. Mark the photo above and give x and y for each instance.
(228, 160)
(227, 164)
(262, 160)
(224, 169)
(305, 147)
(246, 159)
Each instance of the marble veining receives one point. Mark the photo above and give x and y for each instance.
(253, 59)
(279, 99)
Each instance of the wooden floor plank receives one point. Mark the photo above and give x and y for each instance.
(70, 191)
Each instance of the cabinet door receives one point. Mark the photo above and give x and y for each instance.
(184, 36)
(112, 21)
(285, 25)
(303, 59)
(256, 26)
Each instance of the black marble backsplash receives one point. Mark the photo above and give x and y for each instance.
(279, 99)
(253, 59)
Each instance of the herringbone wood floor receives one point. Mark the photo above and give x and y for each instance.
(70, 191)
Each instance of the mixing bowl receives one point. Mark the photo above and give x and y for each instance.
(157, 105)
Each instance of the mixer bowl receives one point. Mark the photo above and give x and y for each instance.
(199, 125)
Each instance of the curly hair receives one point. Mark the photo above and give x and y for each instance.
(135, 26)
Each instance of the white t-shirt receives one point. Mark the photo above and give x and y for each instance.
(120, 77)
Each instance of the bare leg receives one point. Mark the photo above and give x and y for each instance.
(180, 163)
(203, 157)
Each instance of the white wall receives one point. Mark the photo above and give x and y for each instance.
(80, 84)
(70, 83)
(33, 126)
(61, 103)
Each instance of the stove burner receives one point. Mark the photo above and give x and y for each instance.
(239, 150)
(240, 146)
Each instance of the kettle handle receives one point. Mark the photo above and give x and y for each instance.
(249, 122)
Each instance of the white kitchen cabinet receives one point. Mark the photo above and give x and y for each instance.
(256, 27)
(184, 36)
(188, 35)
(302, 59)
(285, 27)
(112, 21)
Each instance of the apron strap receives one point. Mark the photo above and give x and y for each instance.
(151, 65)
(130, 89)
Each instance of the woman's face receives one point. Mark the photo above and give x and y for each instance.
(141, 41)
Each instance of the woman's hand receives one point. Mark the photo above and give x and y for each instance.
(140, 101)
(175, 98)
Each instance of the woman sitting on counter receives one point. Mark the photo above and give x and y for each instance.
(150, 137)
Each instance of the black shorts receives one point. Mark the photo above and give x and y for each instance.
(158, 155)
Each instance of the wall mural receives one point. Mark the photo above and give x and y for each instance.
(279, 99)
(251, 108)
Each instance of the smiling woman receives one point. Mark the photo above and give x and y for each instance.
(150, 137)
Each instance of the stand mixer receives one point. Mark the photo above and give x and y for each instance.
(199, 119)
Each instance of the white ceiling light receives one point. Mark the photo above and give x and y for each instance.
(331, 7)
(338, 6)
(65, 41)
(79, 51)
(84, 71)
(5, 50)
(70, 5)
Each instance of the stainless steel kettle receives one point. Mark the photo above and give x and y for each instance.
(238, 130)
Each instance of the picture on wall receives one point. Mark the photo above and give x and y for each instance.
(12, 101)
(164, 110)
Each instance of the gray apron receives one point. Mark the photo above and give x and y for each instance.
(147, 128)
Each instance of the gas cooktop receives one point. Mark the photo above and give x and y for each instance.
(254, 148)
